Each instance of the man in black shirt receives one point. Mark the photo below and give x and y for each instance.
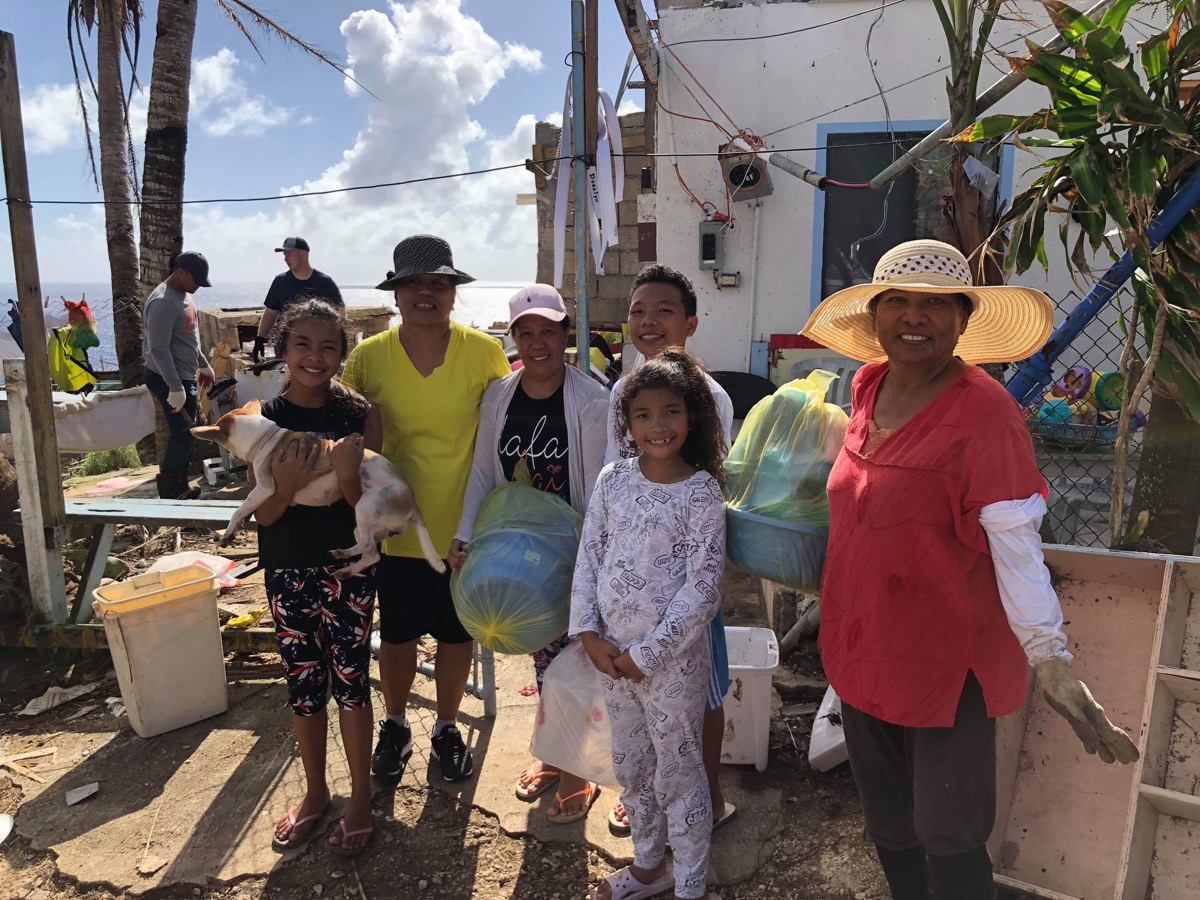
(300, 280)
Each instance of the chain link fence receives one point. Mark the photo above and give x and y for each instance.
(1074, 430)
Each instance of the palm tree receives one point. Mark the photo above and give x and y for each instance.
(167, 122)
(1128, 135)
(118, 38)
(968, 212)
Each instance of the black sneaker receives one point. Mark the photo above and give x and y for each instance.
(392, 751)
(452, 755)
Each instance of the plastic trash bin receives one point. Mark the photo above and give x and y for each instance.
(753, 658)
(165, 638)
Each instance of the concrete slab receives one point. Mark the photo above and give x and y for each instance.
(200, 803)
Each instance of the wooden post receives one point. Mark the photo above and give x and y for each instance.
(43, 558)
(591, 81)
(36, 406)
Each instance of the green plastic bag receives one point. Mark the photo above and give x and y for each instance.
(513, 593)
(777, 521)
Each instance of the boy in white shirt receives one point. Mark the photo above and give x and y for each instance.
(662, 313)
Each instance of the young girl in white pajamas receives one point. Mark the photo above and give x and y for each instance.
(647, 583)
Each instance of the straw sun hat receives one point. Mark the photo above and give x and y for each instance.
(1007, 324)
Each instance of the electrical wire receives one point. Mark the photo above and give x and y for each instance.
(763, 37)
(887, 112)
(344, 190)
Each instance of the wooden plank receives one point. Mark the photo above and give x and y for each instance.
(1184, 684)
(1032, 889)
(93, 572)
(29, 289)
(1141, 570)
(133, 510)
(1172, 803)
(92, 637)
(1176, 608)
(43, 546)
(1067, 823)
(1133, 875)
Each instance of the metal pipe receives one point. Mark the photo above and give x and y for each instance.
(987, 99)
(1035, 373)
(578, 165)
(753, 282)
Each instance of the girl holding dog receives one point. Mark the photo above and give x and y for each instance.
(647, 583)
(323, 623)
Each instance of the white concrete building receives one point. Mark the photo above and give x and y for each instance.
(812, 91)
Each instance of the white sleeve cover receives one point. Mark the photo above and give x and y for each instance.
(1029, 600)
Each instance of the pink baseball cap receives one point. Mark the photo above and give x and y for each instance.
(539, 300)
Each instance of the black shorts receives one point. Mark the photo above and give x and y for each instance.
(927, 787)
(414, 601)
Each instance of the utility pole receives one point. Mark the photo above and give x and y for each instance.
(40, 481)
(579, 104)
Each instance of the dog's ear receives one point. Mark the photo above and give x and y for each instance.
(208, 432)
(253, 407)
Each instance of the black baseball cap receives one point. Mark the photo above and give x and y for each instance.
(293, 243)
(195, 265)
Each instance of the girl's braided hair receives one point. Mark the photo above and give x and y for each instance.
(341, 398)
(678, 371)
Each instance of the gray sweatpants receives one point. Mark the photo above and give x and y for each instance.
(656, 727)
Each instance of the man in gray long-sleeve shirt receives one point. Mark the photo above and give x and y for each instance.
(174, 365)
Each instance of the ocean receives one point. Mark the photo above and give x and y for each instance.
(479, 304)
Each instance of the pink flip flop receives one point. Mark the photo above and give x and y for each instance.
(340, 849)
(295, 841)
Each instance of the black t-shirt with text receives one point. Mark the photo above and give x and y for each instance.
(286, 288)
(537, 431)
(304, 535)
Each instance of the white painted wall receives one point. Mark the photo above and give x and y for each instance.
(768, 84)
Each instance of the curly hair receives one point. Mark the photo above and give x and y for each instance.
(678, 371)
(341, 398)
(660, 274)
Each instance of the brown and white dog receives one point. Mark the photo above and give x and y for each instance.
(387, 505)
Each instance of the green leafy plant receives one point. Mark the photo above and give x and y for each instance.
(102, 461)
(1122, 140)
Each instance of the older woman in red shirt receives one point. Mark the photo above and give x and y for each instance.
(935, 598)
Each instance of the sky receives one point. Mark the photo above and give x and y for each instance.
(460, 85)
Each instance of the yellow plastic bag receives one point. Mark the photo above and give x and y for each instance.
(777, 510)
(513, 594)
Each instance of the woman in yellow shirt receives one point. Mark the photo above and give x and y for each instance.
(427, 376)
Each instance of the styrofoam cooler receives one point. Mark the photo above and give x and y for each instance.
(753, 658)
(165, 638)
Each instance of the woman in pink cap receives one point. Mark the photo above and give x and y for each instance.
(554, 417)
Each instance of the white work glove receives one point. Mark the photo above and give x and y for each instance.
(176, 399)
(1071, 699)
(206, 377)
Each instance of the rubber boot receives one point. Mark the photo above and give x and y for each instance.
(963, 876)
(905, 872)
(175, 487)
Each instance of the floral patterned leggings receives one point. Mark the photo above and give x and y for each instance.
(324, 629)
(542, 658)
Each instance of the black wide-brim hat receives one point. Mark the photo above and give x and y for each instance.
(422, 254)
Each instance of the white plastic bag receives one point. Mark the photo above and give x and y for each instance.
(219, 565)
(572, 732)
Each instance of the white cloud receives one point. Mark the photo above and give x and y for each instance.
(629, 105)
(50, 114)
(224, 104)
(429, 64)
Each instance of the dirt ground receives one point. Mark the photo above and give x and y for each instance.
(428, 843)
